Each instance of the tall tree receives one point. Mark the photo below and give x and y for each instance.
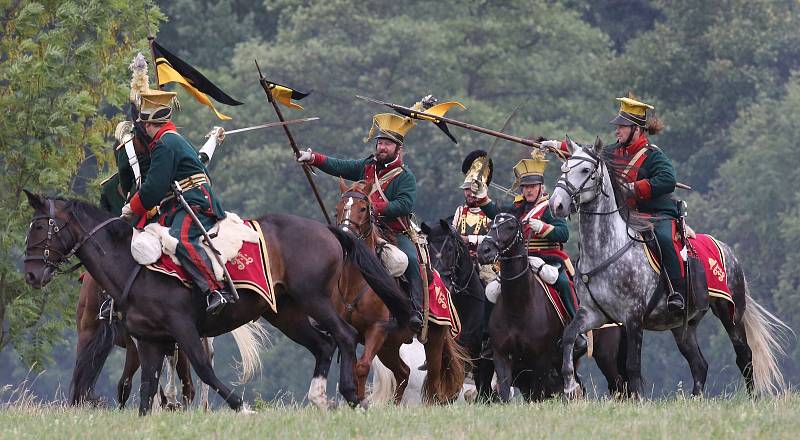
(63, 65)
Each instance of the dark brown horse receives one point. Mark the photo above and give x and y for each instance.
(307, 261)
(525, 330)
(362, 308)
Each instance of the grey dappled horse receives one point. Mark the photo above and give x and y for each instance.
(624, 287)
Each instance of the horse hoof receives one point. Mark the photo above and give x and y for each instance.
(363, 405)
(245, 410)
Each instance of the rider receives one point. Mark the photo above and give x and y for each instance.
(544, 234)
(651, 182)
(394, 189)
(469, 219)
(173, 158)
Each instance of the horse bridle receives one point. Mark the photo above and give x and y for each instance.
(450, 272)
(53, 230)
(575, 192)
(355, 227)
(499, 220)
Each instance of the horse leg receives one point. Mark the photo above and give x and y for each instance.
(374, 338)
(183, 368)
(583, 321)
(687, 344)
(126, 380)
(503, 370)
(606, 354)
(433, 388)
(208, 347)
(190, 343)
(738, 336)
(152, 357)
(390, 356)
(169, 393)
(633, 361)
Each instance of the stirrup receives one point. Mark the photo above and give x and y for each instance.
(675, 302)
(217, 307)
(106, 310)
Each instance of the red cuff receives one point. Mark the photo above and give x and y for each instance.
(137, 206)
(379, 206)
(642, 189)
(319, 159)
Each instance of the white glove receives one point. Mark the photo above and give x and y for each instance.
(554, 144)
(479, 189)
(548, 273)
(629, 187)
(493, 291)
(536, 225)
(127, 213)
(306, 156)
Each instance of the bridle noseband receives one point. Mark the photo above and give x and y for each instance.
(356, 227)
(53, 230)
(575, 192)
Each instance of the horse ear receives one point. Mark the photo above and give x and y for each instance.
(425, 228)
(342, 186)
(570, 145)
(444, 223)
(598, 145)
(36, 201)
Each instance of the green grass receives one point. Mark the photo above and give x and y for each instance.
(669, 419)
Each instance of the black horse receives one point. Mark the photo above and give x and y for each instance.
(450, 257)
(525, 329)
(307, 259)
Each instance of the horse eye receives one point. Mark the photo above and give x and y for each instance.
(39, 227)
(363, 209)
(585, 170)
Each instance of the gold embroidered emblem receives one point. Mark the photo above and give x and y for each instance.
(242, 260)
(716, 269)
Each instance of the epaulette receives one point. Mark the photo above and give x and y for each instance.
(518, 198)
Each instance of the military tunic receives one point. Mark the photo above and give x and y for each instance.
(653, 178)
(173, 158)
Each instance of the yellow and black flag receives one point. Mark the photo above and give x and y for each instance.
(173, 69)
(285, 94)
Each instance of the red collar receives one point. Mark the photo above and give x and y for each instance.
(169, 126)
(637, 145)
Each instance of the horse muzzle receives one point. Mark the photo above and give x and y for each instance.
(560, 203)
(488, 251)
(37, 282)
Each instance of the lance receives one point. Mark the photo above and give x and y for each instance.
(442, 121)
(306, 168)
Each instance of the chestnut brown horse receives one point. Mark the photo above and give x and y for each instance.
(307, 262)
(381, 336)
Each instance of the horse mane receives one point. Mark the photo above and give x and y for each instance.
(616, 166)
(82, 208)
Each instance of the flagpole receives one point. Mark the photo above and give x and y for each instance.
(150, 39)
(306, 168)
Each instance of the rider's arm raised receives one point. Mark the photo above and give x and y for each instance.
(350, 169)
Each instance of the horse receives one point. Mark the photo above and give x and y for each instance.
(359, 306)
(307, 260)
(616, 284)
(451, 258)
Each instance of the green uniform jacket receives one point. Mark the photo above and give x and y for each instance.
(401, 191)
(115, 191)
(658, 171)
(560, 232)
(173, 158)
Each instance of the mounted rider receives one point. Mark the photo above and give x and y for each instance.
(394, 188)
(544, 234)
(469, 219)
(173, 158)
(650, 179)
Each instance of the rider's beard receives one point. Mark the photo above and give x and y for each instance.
(386, 158)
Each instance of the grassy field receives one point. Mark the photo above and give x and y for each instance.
(673, 419)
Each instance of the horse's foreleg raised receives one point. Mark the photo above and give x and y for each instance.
(690, 350)
(390, 356)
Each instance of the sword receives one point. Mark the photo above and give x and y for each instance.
(271, 124)
(208, 149)
(176, 189)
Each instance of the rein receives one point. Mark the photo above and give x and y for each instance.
(356, 227)
(505, 217)
(450, 272)
(53, 230)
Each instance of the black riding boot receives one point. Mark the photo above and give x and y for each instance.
(676, 302)
(215, 301)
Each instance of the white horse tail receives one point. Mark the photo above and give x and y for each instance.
(765, 333)
(383, 384)
(250, 338)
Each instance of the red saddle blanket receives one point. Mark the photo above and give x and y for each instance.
(556, 301)
(440, 304)
(249, 270)
(707, 249)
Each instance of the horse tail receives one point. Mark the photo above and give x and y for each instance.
(250, 338)
(452, 372)
(765, 332)
(375, 274)
(91, 359)
(383, 383)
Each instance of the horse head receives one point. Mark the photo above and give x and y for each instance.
(503, 239)
(55, 234)
(581, 180)
(354, 211)
(447, 246)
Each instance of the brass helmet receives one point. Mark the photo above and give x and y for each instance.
(477, 166)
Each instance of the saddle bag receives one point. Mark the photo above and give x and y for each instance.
(394, 260)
